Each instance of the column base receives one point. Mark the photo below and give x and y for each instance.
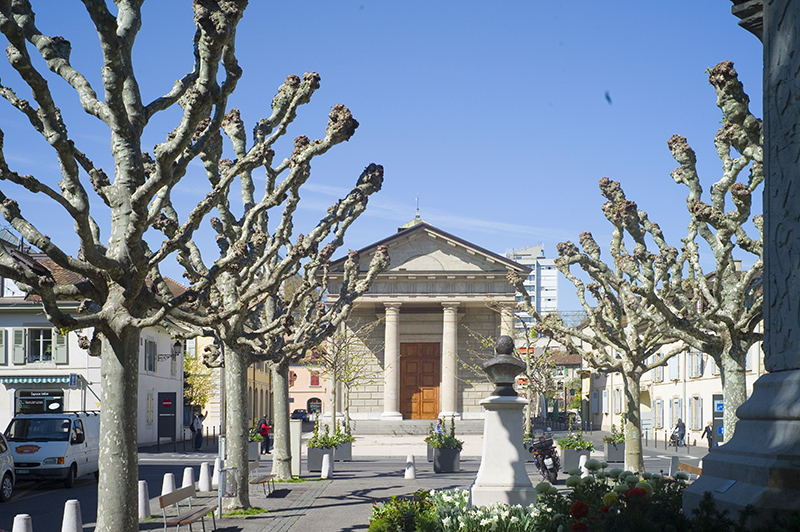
(760, 465)
(391, 416)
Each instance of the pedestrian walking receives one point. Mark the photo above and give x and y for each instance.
(263, 429)
(708, 433)
(197, 429)
(680, 430)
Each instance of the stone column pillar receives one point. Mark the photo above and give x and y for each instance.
(449, 389)
(507, 322)
(391, 363)
(760, 464)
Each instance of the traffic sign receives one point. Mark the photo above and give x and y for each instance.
(167, 403)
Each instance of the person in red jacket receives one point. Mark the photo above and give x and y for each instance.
(263, 429)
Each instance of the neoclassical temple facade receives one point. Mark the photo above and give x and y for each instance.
(438, 298)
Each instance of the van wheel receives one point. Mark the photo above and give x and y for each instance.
(70, 480)
(97, 475)
(6, 488)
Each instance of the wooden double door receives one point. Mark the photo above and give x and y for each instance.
(419, 380)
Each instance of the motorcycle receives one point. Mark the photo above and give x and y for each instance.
(545, 456)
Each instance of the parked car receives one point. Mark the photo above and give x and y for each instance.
(300, 414)
(6, 470)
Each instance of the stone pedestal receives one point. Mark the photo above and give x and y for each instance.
(759, 465)
(502, 476)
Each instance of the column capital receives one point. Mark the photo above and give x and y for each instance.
(394, 305)
(449, 305)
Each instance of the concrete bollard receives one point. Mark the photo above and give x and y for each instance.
(22, 523)
(326, 466)
(188, 477)
(411, 470)
(168, 484)
(205, 477)
(72, 517)
(582, 465)
(215, 473)
(144, 500)
(673, 465)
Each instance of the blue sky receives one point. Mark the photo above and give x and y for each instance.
(494, 113)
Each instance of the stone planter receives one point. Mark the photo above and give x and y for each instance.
(446, 460)
(253, 450)
(343, 452)
(571, 458)
(615, 452)
(314, 458)
(430, 453)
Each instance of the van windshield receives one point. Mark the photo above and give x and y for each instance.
(32, 429)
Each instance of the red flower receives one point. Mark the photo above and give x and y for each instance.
(636, 493)
(580, 527)
(579, 509)
(605, 508)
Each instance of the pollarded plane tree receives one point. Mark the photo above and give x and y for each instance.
(115, 301)
(717, 313)
(246, 304)
(121, 290)
(623, 332)
(720, 312)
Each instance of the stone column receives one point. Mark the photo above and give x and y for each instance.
(449, 389)
(391, 363)
(507, 321)
(760, 464)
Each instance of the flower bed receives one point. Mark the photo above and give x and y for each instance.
(615, 500)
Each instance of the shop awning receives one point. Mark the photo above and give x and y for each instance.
(35, 380)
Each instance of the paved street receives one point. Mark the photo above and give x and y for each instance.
(343, 503)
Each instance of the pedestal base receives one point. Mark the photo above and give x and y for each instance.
(392, 416)
(488, 495)
(760, 465)
(502, 476)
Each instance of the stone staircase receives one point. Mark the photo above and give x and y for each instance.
(413, 426)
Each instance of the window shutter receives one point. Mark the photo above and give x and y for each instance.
(18, 347)
(3, 358)
(690, 413)
(699, 417)
(59, 348)
(673, 369)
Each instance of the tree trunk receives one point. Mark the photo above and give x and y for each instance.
(334, 385)
(634, 461)
(119, 458)
(734, 386)
(281, 453)
(238, 426)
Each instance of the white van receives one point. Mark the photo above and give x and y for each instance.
(55, 446)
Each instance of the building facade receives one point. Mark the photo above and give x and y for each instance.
(437, 299)
(541, 284)
(685, 388)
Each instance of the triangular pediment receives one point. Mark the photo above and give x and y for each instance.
(425, 249)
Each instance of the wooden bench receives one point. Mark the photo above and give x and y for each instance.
(266, 480)
(689, 468)
(188, 517)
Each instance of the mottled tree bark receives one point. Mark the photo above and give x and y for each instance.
(119, 452)
(281, 456)
(634, 460)
(237, 428)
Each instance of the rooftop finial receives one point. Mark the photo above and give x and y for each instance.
(417, 205)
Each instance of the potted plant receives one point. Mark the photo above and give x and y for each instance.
(343, 452)
(572, 447)
(254, 445)
(614, 446)
(318, 446)
(446, 450)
